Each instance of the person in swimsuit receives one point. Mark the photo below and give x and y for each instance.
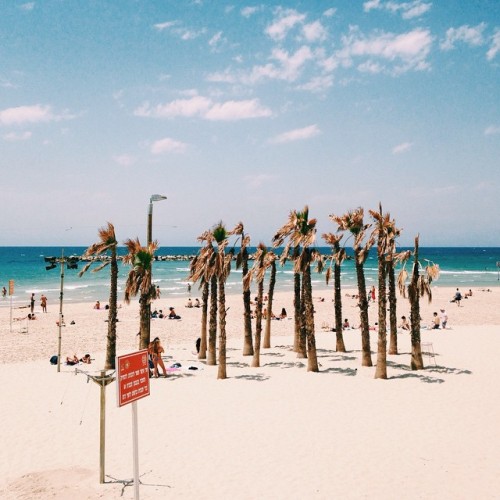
(155, 351)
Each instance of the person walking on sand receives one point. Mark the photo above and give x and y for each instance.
(457, 298)
(43, 303)
(155, 351)
(32, 302)
(443, 317)
(4, 292)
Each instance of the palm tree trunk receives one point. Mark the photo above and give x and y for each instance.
(204, 316)
(222, 373)
(113, 298)
(340, 347)
(302, 348)
(296, 310)
(247, 314)
(258, 325)
(272, 282)
(212, 325)
(145, 321)
(312, 359)
(417, 362)
(381, 368)
(366, 357)
(393, 318)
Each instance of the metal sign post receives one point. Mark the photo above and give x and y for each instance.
(133, 384)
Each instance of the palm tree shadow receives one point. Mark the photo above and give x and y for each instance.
(423, 378)
(276, 354)
(347, 372)
(258, 377)
(444, 369)
(291, 364)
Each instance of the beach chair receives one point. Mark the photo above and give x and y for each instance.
(428, 350)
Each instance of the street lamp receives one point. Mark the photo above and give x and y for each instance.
(154, 197)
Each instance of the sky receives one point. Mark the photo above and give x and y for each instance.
(243, 112)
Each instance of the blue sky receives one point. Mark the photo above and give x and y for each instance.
(244, 111)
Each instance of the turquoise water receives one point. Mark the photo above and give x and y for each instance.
(461, 267)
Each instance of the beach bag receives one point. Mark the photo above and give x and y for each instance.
(53, 360)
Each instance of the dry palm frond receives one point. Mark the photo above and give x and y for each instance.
(432, 271)
(85, 269)
(102, 266)
(402, 277)
(328, 275)
(402, 257)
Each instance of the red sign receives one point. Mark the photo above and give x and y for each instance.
(133, 377)
(11, 287)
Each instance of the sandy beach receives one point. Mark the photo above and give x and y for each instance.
(275, 432)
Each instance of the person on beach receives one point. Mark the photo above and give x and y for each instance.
(436, 322)
(155, 351)
(43, 303)
(97, 305)
(405, 325)
(283, 313)
(172, 314)
(443, 318)
(345, 324)
(189, 303)
(4, 292)
(457, 297)
(32, 302)
(372, 293)
(158, 292)
(197, 302)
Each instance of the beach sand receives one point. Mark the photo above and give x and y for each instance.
(275, 432)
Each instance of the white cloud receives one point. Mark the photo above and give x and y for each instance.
(28, 6)
(165, 25)
(470, 35)
(402, 148)
(31, 114)
(203, 107)
(124, 160)
(249, 11)
(314, 32)
(286, 19)
(406, 51)
(492, 130)
(298, 134)
(408, 10)
(216, 41)
(495, 45)
(237, 110)
(167, 145)
(370, 67)
(16, 137)
(330, 12)
(317, 84)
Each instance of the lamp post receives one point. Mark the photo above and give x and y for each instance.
(154, 197)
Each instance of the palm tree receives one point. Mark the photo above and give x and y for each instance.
(242, 262)
(338, 257)
(107, 242)
(202, 269)
(270, 294)
(301, 234)
(139, 281)
(263, 259)
(419, 286)
(222, 269)
(352, 221)
(384, 231)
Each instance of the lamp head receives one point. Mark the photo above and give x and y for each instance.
(157, 197)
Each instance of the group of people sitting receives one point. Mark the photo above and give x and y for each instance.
(171, 315)
(190, 304)
(282, 315)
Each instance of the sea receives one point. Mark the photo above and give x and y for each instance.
(25, 268)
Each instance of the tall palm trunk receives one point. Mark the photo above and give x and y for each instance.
(302, 349)
(381, 369)
(312, 359)
(297, 287)
(393, 318)
(272, 282)
(212, 324)
(204, 316)
(340, 347)
(145, 316)
(113, 298)
(258, 325)
(417, 362)
(222, 373)
(366, 358)
(247, 314)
